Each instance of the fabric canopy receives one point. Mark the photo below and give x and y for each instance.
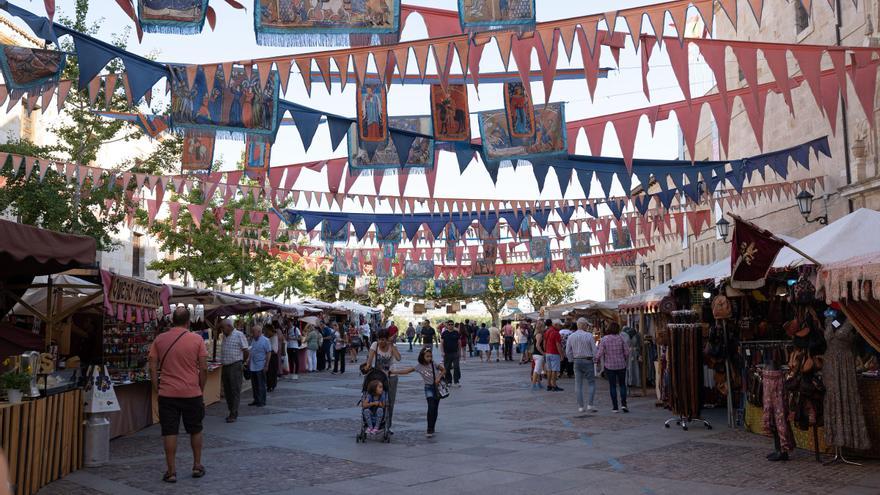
(31, 251)
(856, 278)
(853, 235)
(73, 289)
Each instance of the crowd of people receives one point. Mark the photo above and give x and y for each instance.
(266, 351)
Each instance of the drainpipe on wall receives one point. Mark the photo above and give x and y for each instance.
(844, 120)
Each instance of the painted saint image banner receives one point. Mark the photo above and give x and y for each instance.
(449, 109)
(324, 22)
(520, 111)
(372, 112)
(484, 15)
(239, 107)
(550, 136)
(172, 16)
(198, 152)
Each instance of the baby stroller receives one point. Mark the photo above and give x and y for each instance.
(385, 425)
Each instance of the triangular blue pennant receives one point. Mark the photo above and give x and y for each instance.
(615, 208)
(563, 175)
(644, 177)
(337, 224)
(605, 181)
(361, 228)
(492, 168)
(307, 125)
(712, 180)
(92, 57)
(693, 175)
(540, 168)
(590, 209)
(411, 228)
(385, 229)
(311, 221)
(370, 147)
(488, 222)
(565, 213)
(625, 182)
(142, 75)
(801, 155)
(736, 178)
(642, 202)
(821, 146)
(402, 143)
(540, 217)
(338, 130)
(666, 197)
(693, 191)
(437, 226)
(779, 164)
(678, 179)
(585, 177)
(40, 25)
(461, 224)
(464, 154)
(662, 181)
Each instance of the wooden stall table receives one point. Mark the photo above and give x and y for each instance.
(213, 385)
(135, 409)
(43, 439)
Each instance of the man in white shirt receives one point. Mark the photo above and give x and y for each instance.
(233, 354)
(580, 348)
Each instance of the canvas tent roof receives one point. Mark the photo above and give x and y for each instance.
(30, 251)
(855, 234)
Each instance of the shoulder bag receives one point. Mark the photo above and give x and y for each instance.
(441, 390)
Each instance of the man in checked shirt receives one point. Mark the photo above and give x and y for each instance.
(580, 349)
(613, 353)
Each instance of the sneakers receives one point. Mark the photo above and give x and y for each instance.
(296, 377)
(778, 456)
(429, 434)
(549, 388)
(580, 409)
(557, 389)
(624, 409)
(615, 411)
(592, 409)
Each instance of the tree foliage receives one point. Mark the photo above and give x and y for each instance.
(496, 297)
(555, 288)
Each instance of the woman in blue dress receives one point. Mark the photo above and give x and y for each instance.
(235, 109)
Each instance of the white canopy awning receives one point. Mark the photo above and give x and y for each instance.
(857, 234)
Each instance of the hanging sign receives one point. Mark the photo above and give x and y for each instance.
(172, 16)
(474, 286)
(124, 290)
(386, 155)
(198, 151)
(580, 243)
(539, 247)
(572, 261)
(520, 111)
(257, 155)
(418, 269)
(332, 236)
(342, 266)
(483, 267)
(484, 15)
(239, 107)
(325, 22)
(372, 112)
(30, 68)
(508, 282)
(450, 112)
(549, 138)
(412, 287)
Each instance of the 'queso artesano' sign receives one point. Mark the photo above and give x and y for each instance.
(134, 292)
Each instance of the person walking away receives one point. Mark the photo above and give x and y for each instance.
(427, 334)
(552, 355)
(471, 329)
(258, 364)
(340, 349)
(283, 363)
(294, 341)
(537, 347)
(508, 335)
(178, 372)
(580, 348)
(410, 335)
(373, 405)
(326, 346)
(431, 375)
(450, 345)
(482, 344)
(463, 341)
(522, 341)
(354, 342)
(494, 342)
(612, 355)
(233, 354)
(366, 331)
(567, 367)
(272, 371)
(313, 343)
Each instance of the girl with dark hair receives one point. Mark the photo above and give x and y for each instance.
(431, 375)
(374, 406)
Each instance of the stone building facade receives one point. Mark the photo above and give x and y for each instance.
(851, 176)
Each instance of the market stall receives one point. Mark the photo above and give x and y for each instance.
(41, 436)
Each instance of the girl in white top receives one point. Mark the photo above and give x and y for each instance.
(294, 336)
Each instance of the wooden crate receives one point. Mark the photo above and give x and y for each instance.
(43, 440)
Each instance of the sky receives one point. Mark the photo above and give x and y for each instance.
(234, 39)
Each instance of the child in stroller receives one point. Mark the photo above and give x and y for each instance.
(376, 407)
(373, 403)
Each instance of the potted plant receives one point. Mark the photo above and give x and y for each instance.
(14, 382)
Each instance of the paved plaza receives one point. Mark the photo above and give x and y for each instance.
(494, 435)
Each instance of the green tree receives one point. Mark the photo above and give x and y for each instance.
(496, 297)
(388, 298)
(283, 277)
(555, 288)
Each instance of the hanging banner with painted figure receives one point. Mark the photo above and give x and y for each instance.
(172, 16)
(418, 269)
(580, 243)
(257, 156)
(485, 15)
(330, 236)
(520, 111)
(238, 108)
(483, 267)
(450, 112)
(198, 152)
(550, 137)
(421, 152)
(539, 247)
(474, 286)
(26, 69)
(326, 22)
(372, 112)
(342, 266)
(508, 282)
(572, 261)
(412, 287)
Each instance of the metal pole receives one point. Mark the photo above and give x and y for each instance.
(727, 377)
(844, 119)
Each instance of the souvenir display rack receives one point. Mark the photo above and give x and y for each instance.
(125, 347)
(685, 368)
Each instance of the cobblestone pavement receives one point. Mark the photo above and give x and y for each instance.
(494, 435)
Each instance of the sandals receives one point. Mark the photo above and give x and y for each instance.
(198, 471)
(169, 477)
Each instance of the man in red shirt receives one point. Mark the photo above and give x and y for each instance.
(392, 332)
(552, 355)
(179, 370)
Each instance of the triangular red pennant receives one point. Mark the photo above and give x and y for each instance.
(776, 60)
(626, 129)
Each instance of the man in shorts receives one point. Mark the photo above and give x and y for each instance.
(178, 371)
(553, 352)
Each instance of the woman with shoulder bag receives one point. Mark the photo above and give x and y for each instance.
(435, 386)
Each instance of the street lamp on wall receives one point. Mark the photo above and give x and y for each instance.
(805, 205)
(722, 227)
(645, 272)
